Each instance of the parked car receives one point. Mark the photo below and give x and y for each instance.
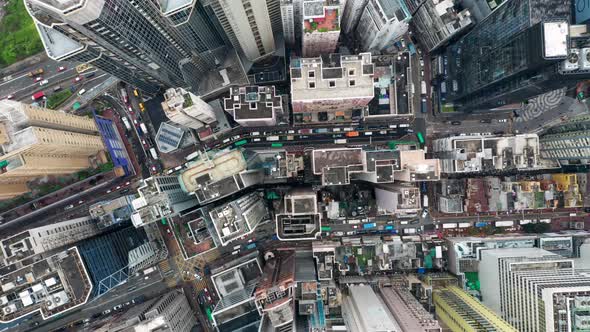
(456, 123)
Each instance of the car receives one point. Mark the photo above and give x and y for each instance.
(499, 132)
(503, 120)
(355, 226)
(80, 202)
(38, 79)
(421, 62)
(154, 169)
(424, 213)
(61, 68)
(256, 140)
(422, 73)
(456, 123)
(143, 142)
(198, 277)
(485, 121)
(106, 312)
(127, 183)
(108, 191)
(168, 231)
(71, 206)
(42, 83)
(118, 187)
(9, 97)
(77, 79)
(117, 307)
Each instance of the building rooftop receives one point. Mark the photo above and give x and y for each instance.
(50, 286)
(112, 212)
(332, 76)
(253, 102)
(238, 218)
(299, 217)
(408, 312)
(214, 177)
(363, 299)
(321, 16)
(168, 137)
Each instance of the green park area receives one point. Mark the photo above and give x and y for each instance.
(18, 36)
(56, 99)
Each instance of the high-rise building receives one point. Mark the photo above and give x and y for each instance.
(534, 289)
(331, 88)
(275, 291)
(149, 44)
(460, 311)
(291, 20)
(248, 26)
(321, 26)
(437, 21)
(159, 197)
(39, 240)
(36, 142)
(382, 22)
(170, 312)
(515, 53)
(362, 300)
(253, 106)
(351, 15)
(299, 217)
(568, 143)
(186, 109)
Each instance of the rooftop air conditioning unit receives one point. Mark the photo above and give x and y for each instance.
(572, 61)
(585, 59)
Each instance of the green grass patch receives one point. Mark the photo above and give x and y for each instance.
(18, 36)
(58, 98)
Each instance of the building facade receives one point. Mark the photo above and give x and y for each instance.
(36, 142)
(525, 44)
(460, 311)
(147, 44)
(321, 26)
(568, 143)
(331, 88)
(248, 26)
(381, 23)
(534, 289)
(351, 15)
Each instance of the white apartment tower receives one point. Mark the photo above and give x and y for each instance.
(288, 19)
(321, 26)
(186, 109)
(248, 25)
(382, 22)
(535, 290)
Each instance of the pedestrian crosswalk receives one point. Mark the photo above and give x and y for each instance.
(165, 266)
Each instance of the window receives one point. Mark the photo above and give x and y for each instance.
(311, 74)
(351, 72)
(351, 83)
(312, 85)
(332, 84)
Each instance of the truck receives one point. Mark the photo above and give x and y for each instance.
(38, 95)
(149, 270)
(423, 88)
(153, 153)
(464, 224)
(423, 106)
(504, 223)
(272, 138)
(449, 225)
(352, 134)
(425, 201)
(409, 231)
(126, 123)
(369, 225)
(36, 72)
(340, 141)
(143, 128)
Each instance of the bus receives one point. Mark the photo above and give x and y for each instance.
(209, 313)
(420, 137)
(154, 153)
(240, 143)
(352, 134)
(369, 225)
(126, 123)
(326, 228)
(340, 141)
(143, 128)
(276, 145)
(164, 222)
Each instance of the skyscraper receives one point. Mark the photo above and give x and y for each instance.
(381, 23)
(321, 26)
(534, 289)
(289, 20)
(512, 55)
(248, 25)
(186, 109)
(35, 142)
(149, 44)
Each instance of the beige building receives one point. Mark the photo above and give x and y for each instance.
(186, 109)
(36, 141)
